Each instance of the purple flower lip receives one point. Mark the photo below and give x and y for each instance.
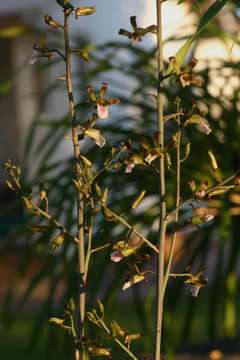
(194, 289)
(129, 167)
(204, 128)
(102, 111)
(116, 256)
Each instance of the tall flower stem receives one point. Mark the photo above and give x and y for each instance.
(162, 220)
(80, 203)
(178, 188)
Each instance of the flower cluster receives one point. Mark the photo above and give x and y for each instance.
(201, 215)
(185, 74)
(40, 50)
(102, 104)
(196, 282)
(123, 249)
(201, 123)
(137, 33)
(146, 153)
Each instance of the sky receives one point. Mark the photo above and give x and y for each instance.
(109, 17)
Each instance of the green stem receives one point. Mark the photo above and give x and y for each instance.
(129, 226)
(179, 275)
(80, 204)
(162, 221)
(178, 188)
(49, 217)
(88, 257)
(90, 236)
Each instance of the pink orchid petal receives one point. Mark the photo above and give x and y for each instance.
(129, 167)
(116, 256)
(102, 111)
(194, 289)
(204, 128)
(33, 58)
(208, 217)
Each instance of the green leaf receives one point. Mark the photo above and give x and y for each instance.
(207, 17)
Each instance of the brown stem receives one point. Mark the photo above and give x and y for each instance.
(162, 221)
(80, 204)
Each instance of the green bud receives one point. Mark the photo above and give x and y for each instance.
(108, 215)
(134, 336)
(104, 195)
(82, 53)
(51, 22)
(86, 161)
(27, 203)
(10, 185)
(213, 160)
(138, 199)
(77, 184)
(187, 151)
(84, 11)
(91, 317)
(97, 351)
(71, 305)
(58, 241)
(168, 161)
(43, 42)
(193, 185)
(98, 190)
(175, 65)
(100, 308)
(56, 321)
(116, 329)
